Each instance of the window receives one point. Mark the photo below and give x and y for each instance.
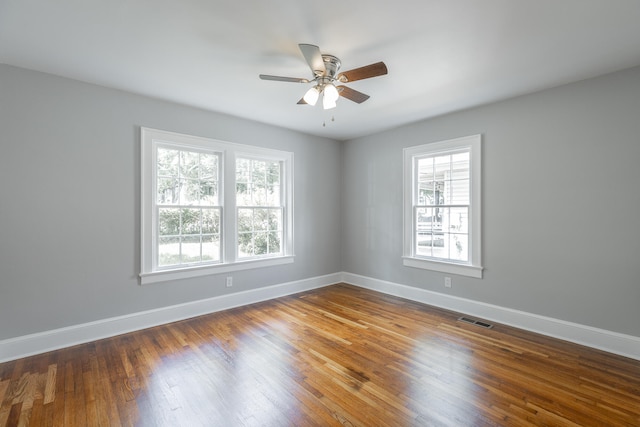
(259, 207)
(212, 207)
(442, 206)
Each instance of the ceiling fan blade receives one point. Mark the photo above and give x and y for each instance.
(351, 94)
(302, 101)
(313, 57)
(283, 79)
(368, 71)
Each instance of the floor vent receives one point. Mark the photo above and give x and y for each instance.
(475, 322)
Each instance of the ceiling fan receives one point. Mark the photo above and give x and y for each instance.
(325, 76)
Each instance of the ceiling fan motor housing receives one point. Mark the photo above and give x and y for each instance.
(331, 65)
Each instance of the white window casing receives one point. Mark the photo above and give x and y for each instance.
(442, 206)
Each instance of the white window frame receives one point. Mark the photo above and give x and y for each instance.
(473, 267)
(229, 262)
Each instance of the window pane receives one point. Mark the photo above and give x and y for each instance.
(273, 196)
(210, 221)
(444, 241)
(187, 178)
(208, 166)
(258, 194)
(428, 231)
(260, 219)
(275, 220)
(242, 170)
(425, 181)
(426, 193)
(189, 164)
(188, 235)
(442, 166)
(168, 221)
(425, 169)
(440, 246)
(429, 243)
(257, 183)
(167, 161)
(243, 194)
(190, 221)
(245, 245)
(211, 248)
(208, 192)
(423, 249)
(245, 220)
(189, 192)
(424, 219)
(190, 249)
(168, 191)
(274, 242)
(458, 192)
(273, 171)
(260, 241)
(459, 247)
(259, 231)
(460, 166)
(459, 220)
(258, 173)
(168, 251)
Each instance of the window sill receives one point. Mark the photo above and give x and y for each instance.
(444, 267)
(185, 273)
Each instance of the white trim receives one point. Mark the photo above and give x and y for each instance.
(613, 342)
(28, 345)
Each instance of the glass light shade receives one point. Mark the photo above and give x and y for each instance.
(311, 97)
(330, 96)
(331, 92)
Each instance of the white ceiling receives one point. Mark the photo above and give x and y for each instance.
(442, 55)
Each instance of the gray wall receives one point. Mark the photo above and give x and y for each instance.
(561, 203)
(559, 210)
(69, 202)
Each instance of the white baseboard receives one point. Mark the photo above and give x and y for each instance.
(28, 345)
(613, 342)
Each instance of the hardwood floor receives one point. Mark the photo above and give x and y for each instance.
(340, 355)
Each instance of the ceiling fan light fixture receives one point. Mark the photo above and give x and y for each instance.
(331, 92)
(330, 96)
(326, 72)
(311, 97)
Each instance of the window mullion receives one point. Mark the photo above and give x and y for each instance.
(229, 216)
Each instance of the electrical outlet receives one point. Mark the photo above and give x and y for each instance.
(447, 282)
(229, 281)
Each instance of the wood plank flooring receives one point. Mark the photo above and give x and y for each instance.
(336, 356)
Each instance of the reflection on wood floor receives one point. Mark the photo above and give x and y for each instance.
(336, 356)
